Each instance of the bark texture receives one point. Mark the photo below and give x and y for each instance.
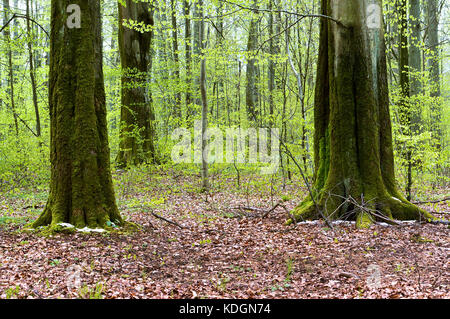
(137, 131)
(353, 137)
(251, 92)
(81, 188)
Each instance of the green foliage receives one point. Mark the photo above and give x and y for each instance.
(85, 292)
(24, 158)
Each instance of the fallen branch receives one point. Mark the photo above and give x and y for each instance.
(439, 222)
(33, 206)
(433, 201)
(263, 212)
(167, 220)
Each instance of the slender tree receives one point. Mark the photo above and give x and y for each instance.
(432, 43)
(415, 63)
(176, 60)
(81, 188)
(204, 171)
(405, 109)
(9, 56)
(188, 57)
(32, 71)
(251, 92)
(354, 162)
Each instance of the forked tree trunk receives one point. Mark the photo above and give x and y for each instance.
(353, 140)
(137, 131)
(81, 189)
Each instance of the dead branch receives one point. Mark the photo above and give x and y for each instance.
(432, 201)
(167, 220)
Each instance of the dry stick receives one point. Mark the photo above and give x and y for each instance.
(21, 16)
(167, 220)
(287, 12)
(288, 152)
(433, 201)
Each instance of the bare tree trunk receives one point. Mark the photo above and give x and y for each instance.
(353, 136)
(188, 55)
(176, 60)
(432, 42)
(32, 72)
(252, 71)
(405, 110)
(205, 181)
(9, 56)
(415, 64)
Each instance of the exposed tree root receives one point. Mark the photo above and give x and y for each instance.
(389, 209)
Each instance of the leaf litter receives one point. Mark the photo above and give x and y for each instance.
(220, 251)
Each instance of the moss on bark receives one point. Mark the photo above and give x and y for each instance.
(81, 188)
(353, 139)
(137, 116)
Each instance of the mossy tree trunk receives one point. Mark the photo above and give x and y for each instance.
(81, 188)
(137, 131)
(353, 137)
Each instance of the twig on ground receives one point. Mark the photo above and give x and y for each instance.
(167, 220)
(432, 201)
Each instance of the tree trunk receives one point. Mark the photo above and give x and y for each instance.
(354, 162)
(196, 49)
(415, 64)
(32, 72)
(188, 56)
(81, 188)
(414, 51)
(432, 42)
(176, 60)
(405, 110)
(137, 131)
(273, 50)
(9, 55)
(205, 181)
(252, 71)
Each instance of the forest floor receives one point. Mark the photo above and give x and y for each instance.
(216, 249)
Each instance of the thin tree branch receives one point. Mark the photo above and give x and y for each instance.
(22, 16)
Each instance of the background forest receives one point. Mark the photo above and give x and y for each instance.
(260, 71)
(242, 64)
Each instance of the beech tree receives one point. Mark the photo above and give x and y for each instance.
(354, 161)
(81, 189)
(137, 132)
(251, 91)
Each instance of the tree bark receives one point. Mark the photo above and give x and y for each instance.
(81, 188)
(432, 42)
(176, 60)
(9, 55)
(415, 64)
(32, 72)
(353, 136)
(188, 57)
(137, 131)
(405, 109)
(251, 92)
(205, 180)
